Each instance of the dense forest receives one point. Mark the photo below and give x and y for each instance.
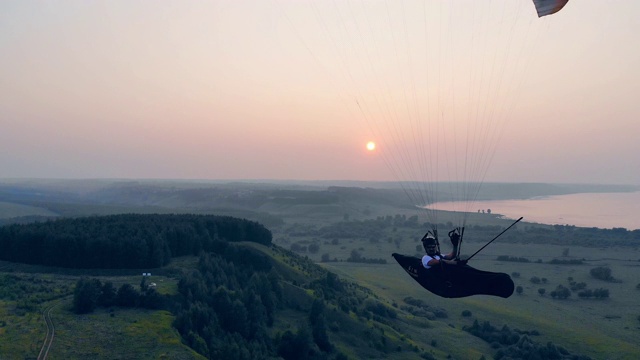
(130, 241)
(228, 310)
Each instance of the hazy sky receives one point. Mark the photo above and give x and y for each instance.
(277, 89)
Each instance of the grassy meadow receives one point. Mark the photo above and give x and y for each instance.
(115, 333)
(600, 328)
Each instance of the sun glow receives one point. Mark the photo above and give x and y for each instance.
(371, 146)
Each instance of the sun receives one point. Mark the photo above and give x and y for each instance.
(371, 146)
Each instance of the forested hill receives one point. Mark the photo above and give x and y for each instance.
(130, 241)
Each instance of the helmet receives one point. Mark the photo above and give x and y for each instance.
(429, 239)
(430, 244)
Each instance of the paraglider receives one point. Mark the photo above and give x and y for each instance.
(435, 82)
(451, 277)
(448, 275)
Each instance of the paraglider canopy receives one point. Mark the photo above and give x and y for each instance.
(548, 7)
(435, 82)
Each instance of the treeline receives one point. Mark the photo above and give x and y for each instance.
(123, 241)
(574, 235)
(512, 258)
(539, 261)
(358, 258)
(90, 294)
(383, 226)
(517, 344)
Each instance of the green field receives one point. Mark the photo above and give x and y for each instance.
(115, 333)
(599, 328)
(606, 328)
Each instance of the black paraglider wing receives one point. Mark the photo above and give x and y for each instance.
(455, 281)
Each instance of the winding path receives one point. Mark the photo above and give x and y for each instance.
(48, 340)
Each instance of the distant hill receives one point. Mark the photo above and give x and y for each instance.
(267, 201)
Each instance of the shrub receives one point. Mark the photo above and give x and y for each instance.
(566, 262)
(541, 291)
(466, 313)
(535, 280)
(577, 286)
(597, 293)
(602, 273)
(314, 248)
(512, 258)
(560, 292)
(585, 293)
(296, 247)
(519, 290)
(601, 293)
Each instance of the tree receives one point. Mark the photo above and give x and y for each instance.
(355, 256)
(107, 295)
(296, 347)
(319, 332)
(151, 299)
(127, 296)
(541, 291)
(85, 295)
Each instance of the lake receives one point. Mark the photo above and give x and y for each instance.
(602, 210)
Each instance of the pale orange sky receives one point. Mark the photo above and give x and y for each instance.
(279, 89)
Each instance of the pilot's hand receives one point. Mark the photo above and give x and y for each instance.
(455, 239)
